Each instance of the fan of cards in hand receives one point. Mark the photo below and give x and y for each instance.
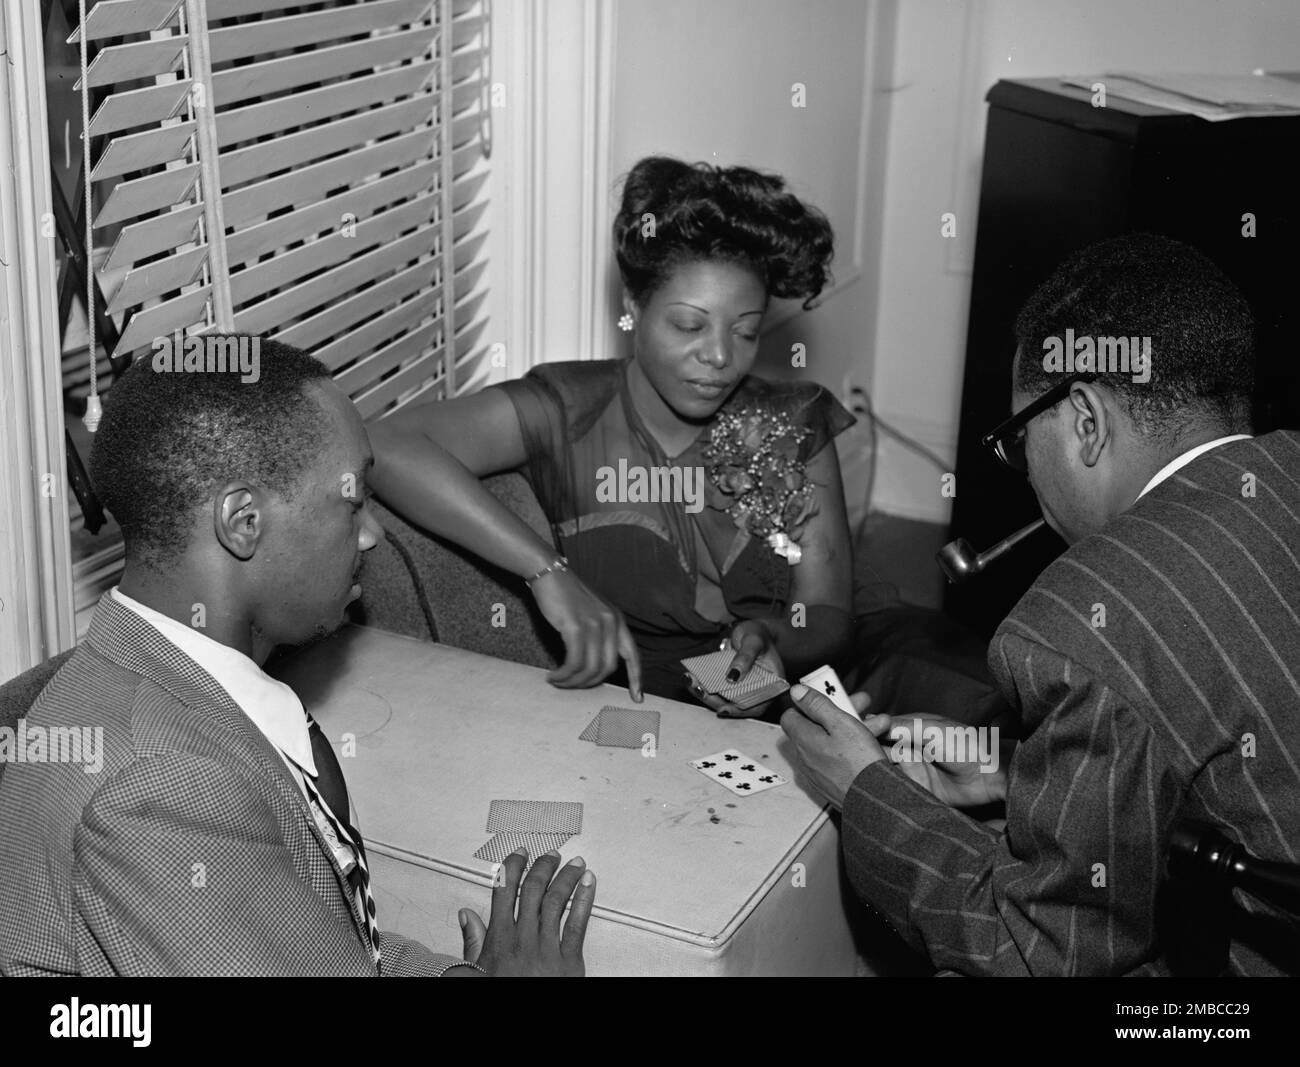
(709, 672)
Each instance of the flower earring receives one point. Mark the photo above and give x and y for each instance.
(625, 323)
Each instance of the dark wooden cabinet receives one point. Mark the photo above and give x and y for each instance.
(1059, 174)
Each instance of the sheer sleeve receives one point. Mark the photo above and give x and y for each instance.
(821, 413)
(557, 403)
(806, 403)
(544, 425)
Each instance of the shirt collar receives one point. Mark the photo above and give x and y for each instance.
(272, 706)
(1179, 462)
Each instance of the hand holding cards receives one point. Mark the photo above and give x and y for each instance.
(710, 673)
(824, 680)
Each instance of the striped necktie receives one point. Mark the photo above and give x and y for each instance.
(330, 793)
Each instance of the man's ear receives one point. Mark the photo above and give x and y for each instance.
(238, 519)
(1091, 420)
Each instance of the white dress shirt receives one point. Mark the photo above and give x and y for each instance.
(270, 705)
(1181, 461)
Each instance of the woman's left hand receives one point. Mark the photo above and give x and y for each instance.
(752, 644)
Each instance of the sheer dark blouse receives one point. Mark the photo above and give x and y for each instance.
(644, 556)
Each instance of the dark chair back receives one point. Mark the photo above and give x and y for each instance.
(423, 586)
(1204, 868)
(18, 694)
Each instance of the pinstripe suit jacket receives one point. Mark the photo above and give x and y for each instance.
(190, 852)
(1186, 702)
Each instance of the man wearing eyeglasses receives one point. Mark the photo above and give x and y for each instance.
(1155, 665)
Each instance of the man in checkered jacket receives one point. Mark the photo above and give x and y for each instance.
(214, 835)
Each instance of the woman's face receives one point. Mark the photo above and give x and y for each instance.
(697, 334)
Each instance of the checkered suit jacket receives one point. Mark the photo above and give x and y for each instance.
(191, 852)
(1185, 703)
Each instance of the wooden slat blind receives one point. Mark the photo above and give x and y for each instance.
(348, 137)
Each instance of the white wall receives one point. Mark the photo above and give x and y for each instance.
(891, 138)
(712, 80)
(715, 80)
(947, 55)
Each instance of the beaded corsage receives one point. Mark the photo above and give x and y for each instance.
(753, 464)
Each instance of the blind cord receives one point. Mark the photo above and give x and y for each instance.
(94, 410)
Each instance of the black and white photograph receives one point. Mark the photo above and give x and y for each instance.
(651, 488)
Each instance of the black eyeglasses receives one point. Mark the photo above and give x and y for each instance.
(1007, 440)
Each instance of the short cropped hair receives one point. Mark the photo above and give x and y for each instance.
(675, 213)
(169, 439)
(1138, 286)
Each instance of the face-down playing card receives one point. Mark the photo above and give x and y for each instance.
(758, 685)
(501, 845)
(738, 773)
(622, 727)
(535, 817)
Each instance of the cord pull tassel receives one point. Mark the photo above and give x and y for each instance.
(93, 409)
(94, 412)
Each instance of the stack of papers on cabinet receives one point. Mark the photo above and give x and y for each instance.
(1215, 97)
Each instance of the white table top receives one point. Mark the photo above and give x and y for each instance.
(441, 732)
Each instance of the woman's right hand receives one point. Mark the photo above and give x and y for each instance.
(595, 635)
(428, 461)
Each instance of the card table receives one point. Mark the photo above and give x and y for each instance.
(692, 880)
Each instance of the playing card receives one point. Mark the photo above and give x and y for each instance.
(742, 775)
(710, 671)
(627, 727)
(622, 727)
(534, 817)
(825, 681)
(501, 845)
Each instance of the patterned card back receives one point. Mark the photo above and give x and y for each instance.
(535, 817)
(623, 727)
(758, 685)
(501, 845)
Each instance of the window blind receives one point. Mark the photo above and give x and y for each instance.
(348, 142)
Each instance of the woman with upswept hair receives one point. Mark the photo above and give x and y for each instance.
(753, 551)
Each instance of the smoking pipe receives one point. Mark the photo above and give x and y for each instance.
(959, 561)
